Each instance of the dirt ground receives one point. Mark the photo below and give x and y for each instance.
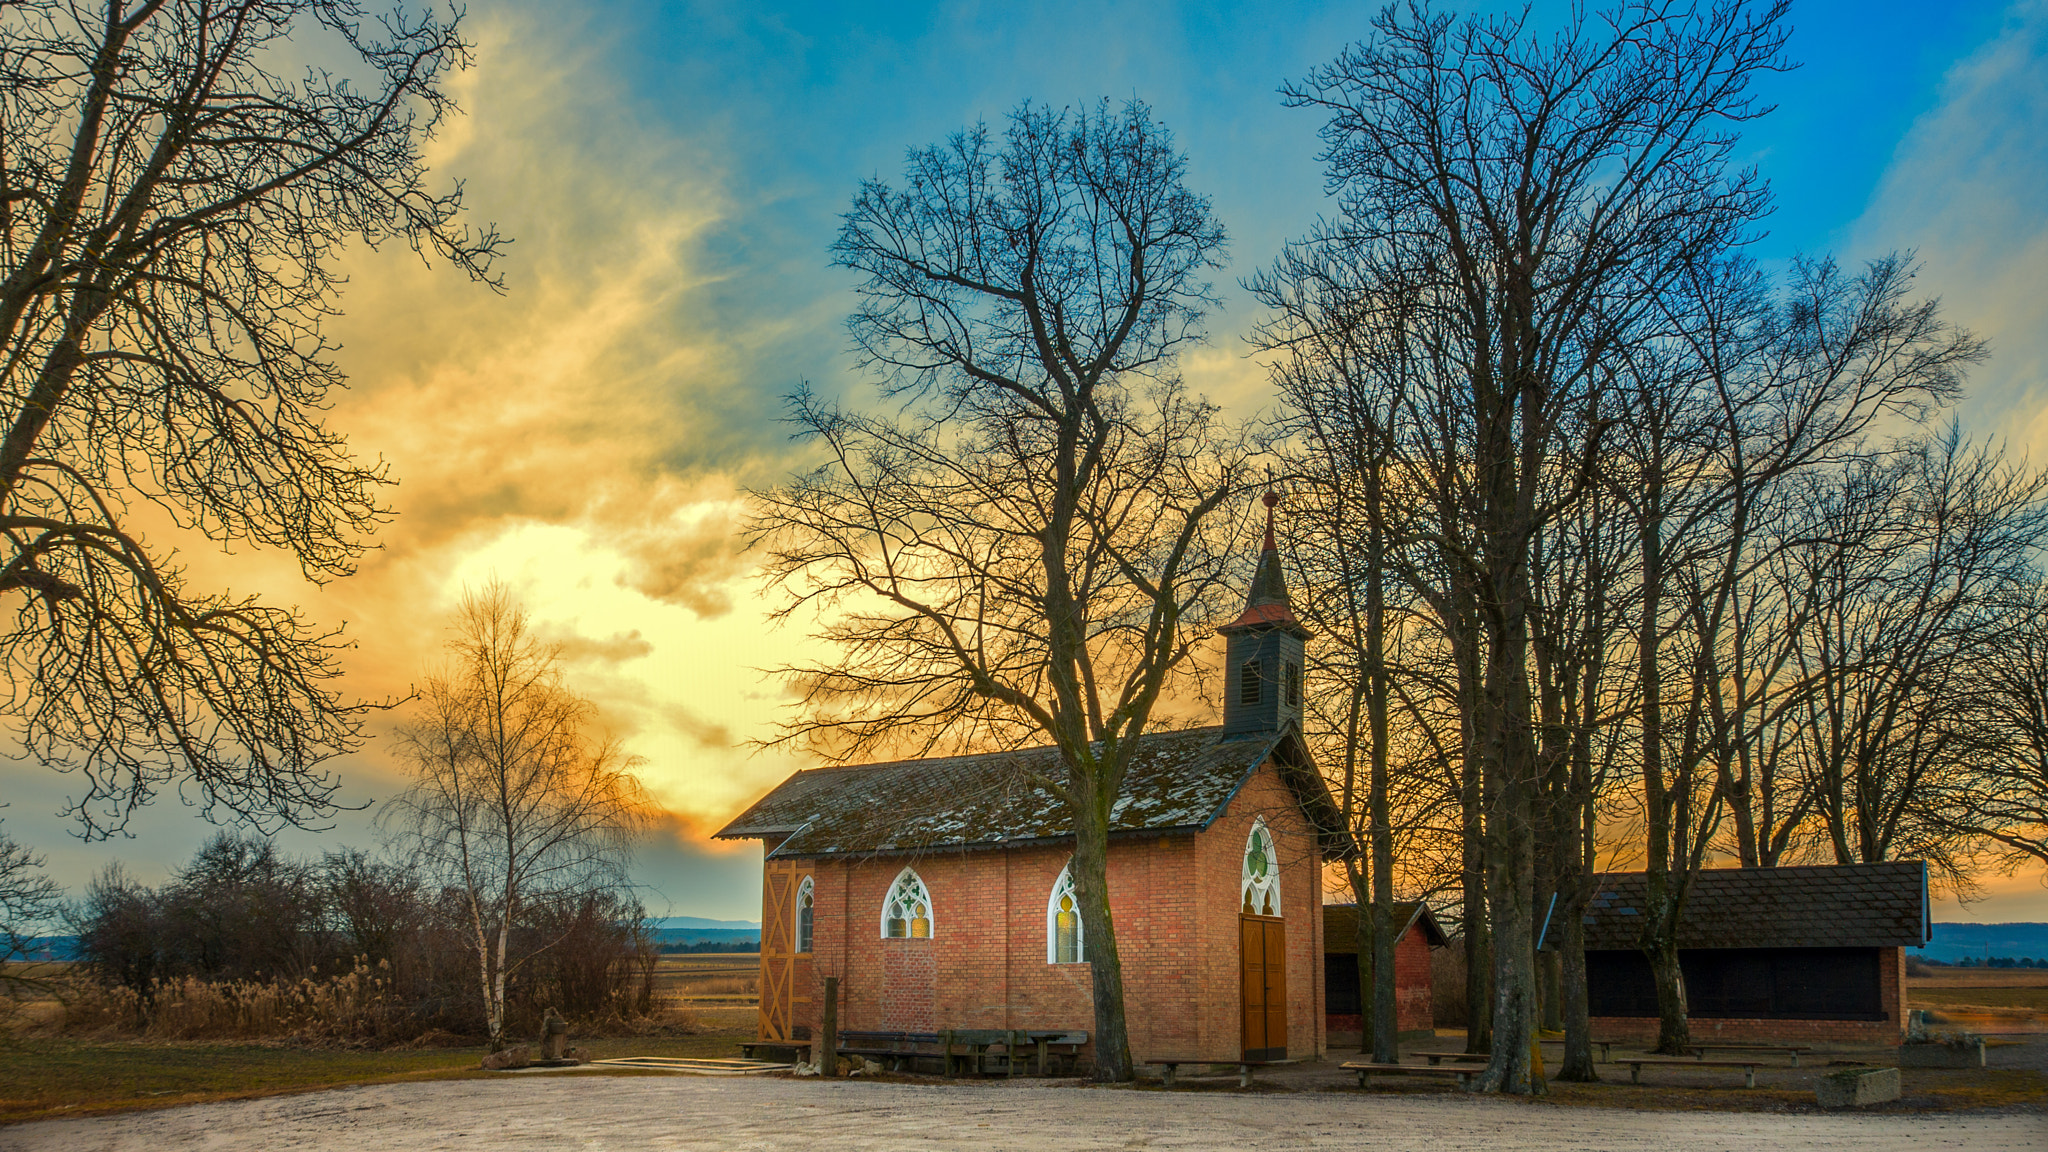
(730, 1114)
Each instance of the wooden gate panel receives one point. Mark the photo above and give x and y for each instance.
(779, 882)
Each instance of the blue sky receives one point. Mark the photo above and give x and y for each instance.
(673, 174)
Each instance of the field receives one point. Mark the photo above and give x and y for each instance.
(710, 978)
(712, 998)
(44, 1078)
(1987, 999)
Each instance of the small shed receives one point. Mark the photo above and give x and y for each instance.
(1413, 992)
(1777, 954)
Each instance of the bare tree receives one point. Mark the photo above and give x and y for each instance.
(2009, 804)
(512, 801)
(1032, 546)
(1908, 607)
(1535, 199)
(29, 900)
(171, 203)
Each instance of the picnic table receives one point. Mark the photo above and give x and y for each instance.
(1792, 1050)
(1244, 1067)
(1366, 1068)
(1635, 1067)
(971, 1047)
(1606, 1047)
(1436, 1058)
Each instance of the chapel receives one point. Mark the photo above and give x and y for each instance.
(937, 890)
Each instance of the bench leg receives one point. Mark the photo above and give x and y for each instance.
(1361, 1079)
(1795, 1059)
(1435, 1060)
(1169, 1074)
(1244, 1075)
(1749, 1075)
(1635, 1073)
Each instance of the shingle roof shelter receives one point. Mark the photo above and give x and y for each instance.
(1881, 905)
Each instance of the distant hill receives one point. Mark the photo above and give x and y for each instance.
(49, 948)
(701, 922)
(698, 930)
(1955, 942)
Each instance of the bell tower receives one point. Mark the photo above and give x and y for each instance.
(1262, 661)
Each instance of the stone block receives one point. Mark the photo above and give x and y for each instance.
(1856, 1087)
(517, 1056)
(1965, 1054)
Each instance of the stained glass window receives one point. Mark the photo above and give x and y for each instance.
(907, 913)
(1063, 922)
(1260, 890)
(803, 916)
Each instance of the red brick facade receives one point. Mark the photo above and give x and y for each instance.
(1175, 899)
(1890, 1030)
(1413, 1008)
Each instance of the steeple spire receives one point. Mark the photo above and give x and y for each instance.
(1262, 657)
(1268, 603)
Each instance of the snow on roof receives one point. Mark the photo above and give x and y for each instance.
(1177, 780)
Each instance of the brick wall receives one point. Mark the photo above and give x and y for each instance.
(1414, 1010)
(1890, 1030)
(1175, 904)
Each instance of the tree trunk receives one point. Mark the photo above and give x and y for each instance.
(1091, 885)
(1577, 1001)
(1367, 957)
(1472, 852)
(1674, 1031)
(1386, 1022)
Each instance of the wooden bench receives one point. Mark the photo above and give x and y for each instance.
(898, 1049)
(1792, 1050)
(893, 1049)
(1436, 1058)
(802, 1046)
(1635, 1067)
(1366, 1068)
(1244, 1067)
(1606, 1047)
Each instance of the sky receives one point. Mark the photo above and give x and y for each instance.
(672, 175)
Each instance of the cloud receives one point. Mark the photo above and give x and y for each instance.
(706, 733)
(1963, 189)
(614, 649)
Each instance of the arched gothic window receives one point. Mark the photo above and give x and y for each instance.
(1261, 882)
(1063, 922)
(1249, 682)
(907, 913)
(803, 915)
(1293, 684)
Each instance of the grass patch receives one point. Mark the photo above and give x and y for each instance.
(2033, 998)
(48, 1078)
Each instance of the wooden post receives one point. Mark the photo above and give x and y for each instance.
(828, 1044)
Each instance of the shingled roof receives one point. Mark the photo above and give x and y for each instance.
(1837, 906)
(1340, 925)
(1178, 782)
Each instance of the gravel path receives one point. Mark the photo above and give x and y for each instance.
(610, 1112)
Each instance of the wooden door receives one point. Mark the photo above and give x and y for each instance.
(779, 882)
(1263, 954)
